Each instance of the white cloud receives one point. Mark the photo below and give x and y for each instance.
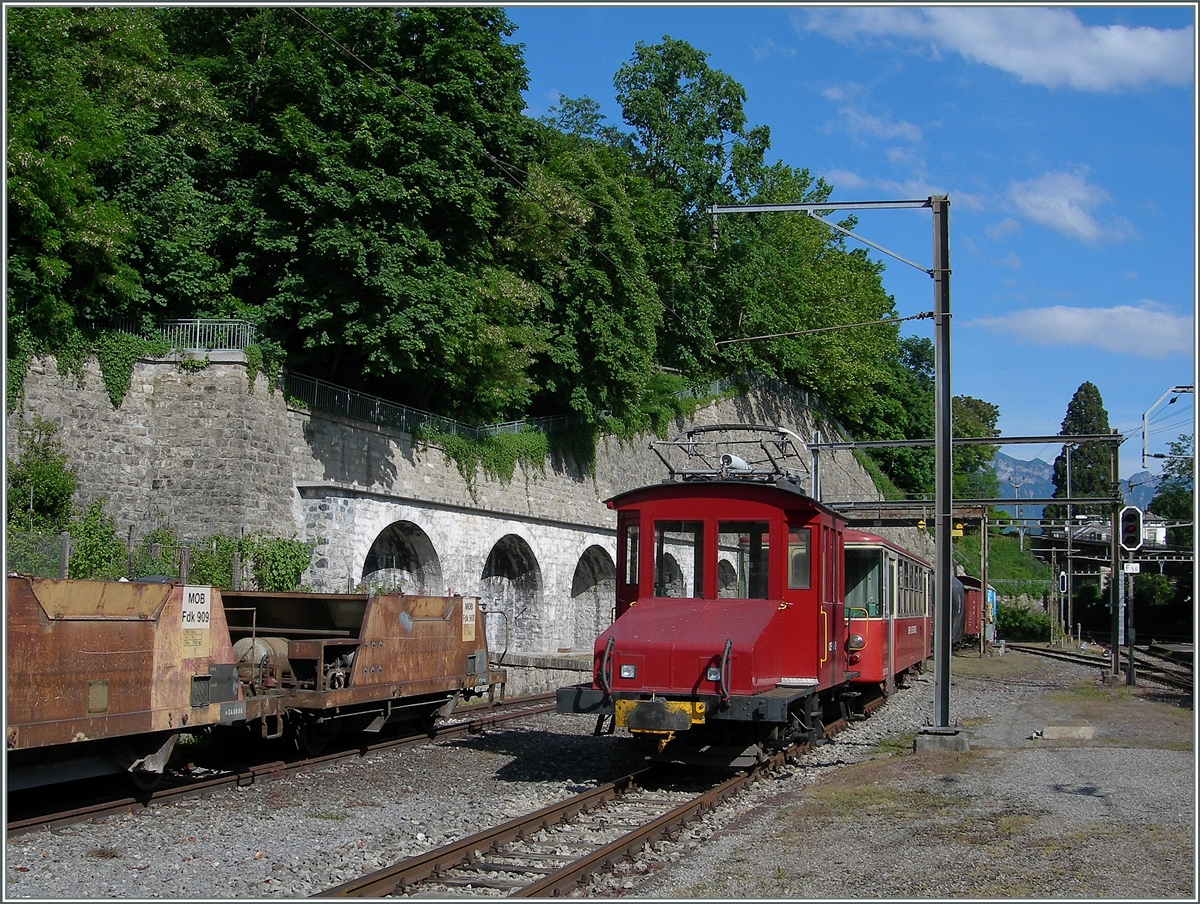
(769, 48)
(1006, 227)
(859, 123)
(1012, 261)
(1147, 331)
(1039, 45)
(845, 179)
(1064, 202)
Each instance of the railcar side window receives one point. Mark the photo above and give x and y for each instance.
(799, 558)
(631, 553)
(743, 554)
(678, 558)
(863, 573)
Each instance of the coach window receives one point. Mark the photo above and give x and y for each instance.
(746, 545)
(863, 571)
(678, 558)
(799, 558)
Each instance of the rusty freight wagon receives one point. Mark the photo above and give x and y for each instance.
(105, 676)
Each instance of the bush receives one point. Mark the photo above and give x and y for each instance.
(97, 553)
(211, 561)
(40, 485)
(1013, 623)
(277, 563)
(32, 552)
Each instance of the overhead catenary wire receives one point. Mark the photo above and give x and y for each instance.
(924, 315)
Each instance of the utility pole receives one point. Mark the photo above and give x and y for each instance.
(943, 443)
(1020, 527)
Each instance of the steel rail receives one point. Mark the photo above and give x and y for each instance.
(410, 872)
(1178, 677)
(478, 716)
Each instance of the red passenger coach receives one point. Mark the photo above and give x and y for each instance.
(730, 634)
(889, 604)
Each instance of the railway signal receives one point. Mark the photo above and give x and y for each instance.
(1131, 528)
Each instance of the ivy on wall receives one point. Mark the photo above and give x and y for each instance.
(496, 455)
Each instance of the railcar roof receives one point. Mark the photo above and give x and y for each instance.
(787, 493)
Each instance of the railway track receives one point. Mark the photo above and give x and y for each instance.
(1148, 665)
(554, 850)
(43, 811)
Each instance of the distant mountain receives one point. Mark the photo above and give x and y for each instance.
(1140, 489)
(1035, 480)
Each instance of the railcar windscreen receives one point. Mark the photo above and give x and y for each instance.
(678, 558)
(743, 551)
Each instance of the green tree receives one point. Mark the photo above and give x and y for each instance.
(1091, 463)
(40, 482)
(105, 222)
(974, 476)
(1175, 497)
(574, 238)
(366, 165)
(97, 553)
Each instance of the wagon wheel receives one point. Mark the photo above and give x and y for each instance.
(308, 737)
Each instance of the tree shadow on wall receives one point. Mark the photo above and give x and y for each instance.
(350, 454)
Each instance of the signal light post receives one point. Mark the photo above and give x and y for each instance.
(1131, 541)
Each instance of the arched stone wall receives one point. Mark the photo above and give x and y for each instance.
(403, 559)
(511, 582)
(593, 592)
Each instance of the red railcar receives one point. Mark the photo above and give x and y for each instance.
(731, 629)
(889, 604)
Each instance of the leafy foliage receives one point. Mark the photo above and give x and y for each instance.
(361, 184)
(496, 455)
(1176, 492)
(40, 484)
(97, 553)
(277, 563)
(1016, 623)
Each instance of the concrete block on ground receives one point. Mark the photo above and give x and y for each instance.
(1069, 731)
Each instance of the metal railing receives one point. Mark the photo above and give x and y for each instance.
(208, 335)
(322, 396)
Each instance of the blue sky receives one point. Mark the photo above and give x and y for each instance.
(1063, 136)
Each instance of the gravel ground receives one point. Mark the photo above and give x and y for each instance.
(863, 816)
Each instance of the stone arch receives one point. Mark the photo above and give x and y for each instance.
(671, 579)
(512, 583)
(593, 592)
(727, 583)
(402, 558)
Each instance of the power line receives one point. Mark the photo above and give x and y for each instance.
(924, 315)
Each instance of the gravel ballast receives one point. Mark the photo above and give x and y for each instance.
(1016, 815)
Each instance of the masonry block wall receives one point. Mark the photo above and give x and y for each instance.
(200, 451)
(204, 452)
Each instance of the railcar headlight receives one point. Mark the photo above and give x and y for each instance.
(713, 673)
(629, 670)
(855, 642)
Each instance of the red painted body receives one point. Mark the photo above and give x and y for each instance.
(889, 602)
(972, 607)
(754, 564)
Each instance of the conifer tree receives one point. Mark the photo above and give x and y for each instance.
(1090, 463)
